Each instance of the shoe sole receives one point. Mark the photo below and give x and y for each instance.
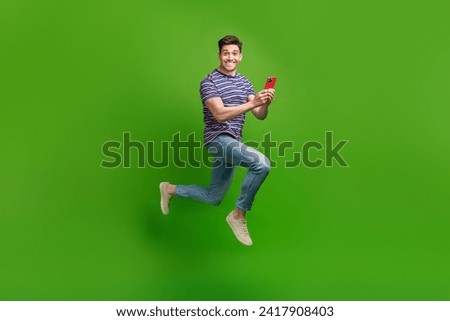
(161, 190)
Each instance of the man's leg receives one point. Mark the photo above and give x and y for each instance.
(221, 178)
(258, 166)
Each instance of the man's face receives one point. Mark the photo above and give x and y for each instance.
(230, 56)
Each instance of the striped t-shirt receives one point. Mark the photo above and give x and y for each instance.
(234, 91)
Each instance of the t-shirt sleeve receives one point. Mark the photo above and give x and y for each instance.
(250, 89)
(208, 90)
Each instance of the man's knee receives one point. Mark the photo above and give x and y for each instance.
(262, 166)
(215, 198)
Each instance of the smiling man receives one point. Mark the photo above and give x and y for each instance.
(227, 96)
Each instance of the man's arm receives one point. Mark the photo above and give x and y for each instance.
(222, 113)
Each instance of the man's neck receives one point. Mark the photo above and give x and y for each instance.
(226, 72)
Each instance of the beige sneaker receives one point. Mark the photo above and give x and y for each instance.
(239, 227)
(165, 198)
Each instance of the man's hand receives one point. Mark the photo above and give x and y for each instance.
(264, 97)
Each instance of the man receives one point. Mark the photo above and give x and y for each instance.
(227, 96)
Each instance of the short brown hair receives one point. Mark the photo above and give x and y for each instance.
(230, 40)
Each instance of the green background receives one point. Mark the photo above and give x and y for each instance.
(75, 74)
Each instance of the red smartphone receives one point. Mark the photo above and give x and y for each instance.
(270, 82)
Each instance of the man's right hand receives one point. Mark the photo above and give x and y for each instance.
(264, 97)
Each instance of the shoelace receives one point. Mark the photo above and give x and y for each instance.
(243, 226)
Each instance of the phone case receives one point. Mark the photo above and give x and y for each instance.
(270, 82)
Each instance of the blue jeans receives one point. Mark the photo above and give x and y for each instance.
(229, 153)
